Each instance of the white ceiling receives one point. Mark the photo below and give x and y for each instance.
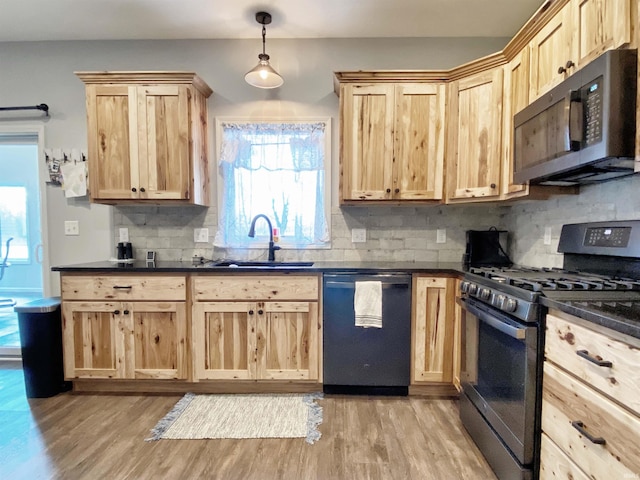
(32, 20)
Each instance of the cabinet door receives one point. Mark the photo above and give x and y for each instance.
(516, 97)
(163, 142)
(93, 340)
(287, 341)
(601, 25)
(475, 137)
(433, 330)
(367, 141)
(419, 141)
(113, 163)
(552, 49)
(156, 341)
(224, 340)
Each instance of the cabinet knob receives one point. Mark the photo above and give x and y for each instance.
(493, 185)
(260, 312)
(250, 312)
(116, 312)
(397, 190)
(566, 67)
(126, 312)
(142, 190)
(134, 189)
(388, 190)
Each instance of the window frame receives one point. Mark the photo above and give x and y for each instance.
(260, 243)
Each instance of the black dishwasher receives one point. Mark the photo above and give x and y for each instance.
(361, 360)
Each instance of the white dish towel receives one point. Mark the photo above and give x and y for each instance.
(367, 304)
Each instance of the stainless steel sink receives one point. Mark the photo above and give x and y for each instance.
(240, 264)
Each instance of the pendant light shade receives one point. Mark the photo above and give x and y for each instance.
(263, 75)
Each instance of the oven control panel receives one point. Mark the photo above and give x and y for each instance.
(607, 237)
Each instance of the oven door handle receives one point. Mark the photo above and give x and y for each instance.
(513, 331)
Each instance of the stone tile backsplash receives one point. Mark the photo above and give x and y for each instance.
(393, 233)
(397, 233)
(613, 200)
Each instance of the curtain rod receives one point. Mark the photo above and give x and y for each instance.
(43, 106)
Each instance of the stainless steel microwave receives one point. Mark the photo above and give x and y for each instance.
(583, 130)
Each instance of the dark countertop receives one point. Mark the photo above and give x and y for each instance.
(140, 266)
(619, 323)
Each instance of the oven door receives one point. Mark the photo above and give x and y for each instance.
(499, 374)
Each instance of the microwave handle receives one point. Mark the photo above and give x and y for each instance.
(572, 121)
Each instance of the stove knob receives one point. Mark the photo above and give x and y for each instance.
(510, 305)
(500, 301)
(464, 286)
(484, 293)
(494, 300)
(472, 289)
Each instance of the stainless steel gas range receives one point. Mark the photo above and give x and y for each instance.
(504, 310)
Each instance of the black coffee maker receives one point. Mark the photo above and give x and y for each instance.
(485, 248)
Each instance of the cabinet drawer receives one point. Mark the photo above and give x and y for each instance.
(566, 399)
(124, 287)
(621, 380)
(555, 464)
(256, 287)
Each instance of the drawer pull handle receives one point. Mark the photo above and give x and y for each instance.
(118, 287)
(578, 425)
(601, 363)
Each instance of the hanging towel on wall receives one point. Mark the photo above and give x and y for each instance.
(367, 304)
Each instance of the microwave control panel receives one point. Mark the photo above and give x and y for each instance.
(607, 237)
(592, 93)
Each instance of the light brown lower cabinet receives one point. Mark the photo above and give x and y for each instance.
(588, 431)
(256, 328)
(432, 330)
(121, 327)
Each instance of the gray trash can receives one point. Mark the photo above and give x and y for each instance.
(40, 324)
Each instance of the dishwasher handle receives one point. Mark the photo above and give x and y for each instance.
(351, 285)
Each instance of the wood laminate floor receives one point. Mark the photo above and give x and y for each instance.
(102, 437)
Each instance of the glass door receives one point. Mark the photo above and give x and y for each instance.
(21, 246)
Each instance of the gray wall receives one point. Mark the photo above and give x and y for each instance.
(42, 72)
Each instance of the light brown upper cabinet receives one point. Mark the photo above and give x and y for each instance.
(147, 137)
(392, 141)
(581, 31)
(516, 97)
(474, 153)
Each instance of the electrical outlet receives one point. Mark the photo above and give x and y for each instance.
(201, 235)
(441, 235)
(124, 234)
(71, 227)
(358, 235)
(547, 235)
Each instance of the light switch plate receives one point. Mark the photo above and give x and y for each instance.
(358, 235)
(441, 235)
(71, 227)
(201, 235)
(124, 234)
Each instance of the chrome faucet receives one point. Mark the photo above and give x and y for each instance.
(252, 233)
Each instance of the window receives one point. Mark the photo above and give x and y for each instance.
(13, 223)
(279, 169)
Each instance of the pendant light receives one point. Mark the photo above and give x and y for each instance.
(263, 75)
